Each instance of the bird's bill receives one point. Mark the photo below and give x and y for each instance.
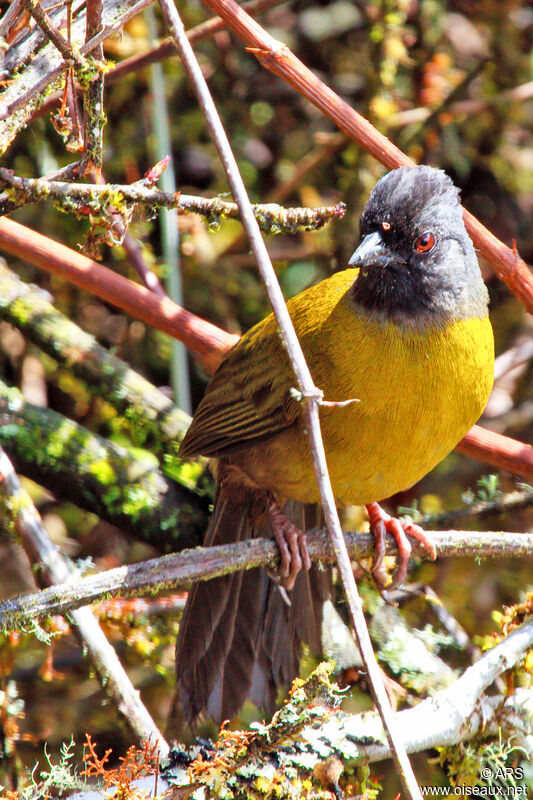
(372, 250)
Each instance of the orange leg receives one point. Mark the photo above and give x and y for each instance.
(291, 542)
(382, 523)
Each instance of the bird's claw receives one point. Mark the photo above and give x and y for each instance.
(292, 546)
(382, 523)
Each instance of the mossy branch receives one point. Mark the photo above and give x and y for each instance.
(98, 475)
(153, 420)
(96, 200)
(204, 563)
(310, 733)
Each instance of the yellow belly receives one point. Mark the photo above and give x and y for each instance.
(419, 393)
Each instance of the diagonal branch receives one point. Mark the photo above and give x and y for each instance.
(310, 392)
(276, 57)
(57, 569)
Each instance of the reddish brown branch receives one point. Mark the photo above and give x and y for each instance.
(205, 340)
(277, 58)
(500, 451)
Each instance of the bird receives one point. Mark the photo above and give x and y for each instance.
(404, 333)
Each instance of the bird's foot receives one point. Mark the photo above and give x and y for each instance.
(292, 545)
(382, 523)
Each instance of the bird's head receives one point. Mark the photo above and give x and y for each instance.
(417, 264)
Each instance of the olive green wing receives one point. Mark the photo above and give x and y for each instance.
(248, 399)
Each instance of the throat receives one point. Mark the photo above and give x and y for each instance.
(399, 296)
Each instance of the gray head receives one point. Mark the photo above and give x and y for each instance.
(417, 264)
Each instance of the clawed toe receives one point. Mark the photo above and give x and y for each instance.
(382, 523)
(292, 545)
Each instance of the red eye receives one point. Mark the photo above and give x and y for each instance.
(425, 243)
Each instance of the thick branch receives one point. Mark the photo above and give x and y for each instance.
(98, 475)
(206, 341)
(204, 563)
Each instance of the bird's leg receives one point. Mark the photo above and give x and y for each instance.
(382, 523)
(291, 542)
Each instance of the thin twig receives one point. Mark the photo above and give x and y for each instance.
(96, 199)
(70, 54)
(113, 677)
(178, 571)
(305, 384)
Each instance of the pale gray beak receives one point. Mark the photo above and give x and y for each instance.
(372, 251)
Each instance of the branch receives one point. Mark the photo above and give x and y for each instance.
(498, 450)
(312, 732)
(153, 419)
(205, 340)
(306, 386)
(512, 501)
(164, 50)
(99, 476)
(451, 716)
(97, 199)
(276, 57)
(112, 675)
(178, 571)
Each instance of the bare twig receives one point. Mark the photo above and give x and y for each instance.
(69, 53)
(305, 383)
(57, 569)
(178, 571)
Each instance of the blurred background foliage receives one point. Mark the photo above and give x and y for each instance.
(438, 78)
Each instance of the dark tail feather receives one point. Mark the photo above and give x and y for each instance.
(238, 638)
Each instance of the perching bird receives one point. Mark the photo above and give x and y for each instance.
(407, 334)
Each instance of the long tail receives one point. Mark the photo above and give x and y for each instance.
(238, 638)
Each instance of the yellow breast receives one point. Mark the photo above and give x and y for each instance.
(419, 392)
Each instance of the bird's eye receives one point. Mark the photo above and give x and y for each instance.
(425, 242)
